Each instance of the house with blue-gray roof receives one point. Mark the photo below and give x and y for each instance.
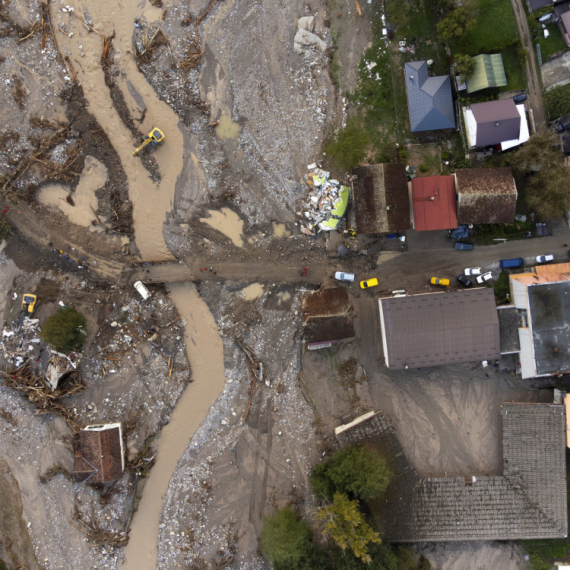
(430, 102)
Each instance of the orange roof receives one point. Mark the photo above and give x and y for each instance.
(545, 274)
(435, 204)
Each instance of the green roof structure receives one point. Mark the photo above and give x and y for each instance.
(489, 72)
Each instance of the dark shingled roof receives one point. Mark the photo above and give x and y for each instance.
(550, 314)
(430, 103)
(538, 4)
(327, 316)
(528, 501)
(98, 455)
(440, 328)
(327, 329)
(379, 186)
(497, 121)
(485, 195)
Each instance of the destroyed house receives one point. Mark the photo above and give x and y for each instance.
(434, 329)
(485, 195)
(527, 501)
(543, 300)
(99, 454)
(327, 318)
(381, 199)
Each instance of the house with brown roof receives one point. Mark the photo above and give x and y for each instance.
(99, 454)
(562, 13)
(434, 203)
(381, 199)
(434, 329)
(327, 318)
(485, 195)
(494, 123)
(527, 501)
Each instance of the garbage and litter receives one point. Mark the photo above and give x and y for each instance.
(328, 201)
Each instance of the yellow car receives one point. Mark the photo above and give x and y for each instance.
(439, 281)
(369, 283)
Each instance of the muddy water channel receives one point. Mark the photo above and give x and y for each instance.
(205, 353)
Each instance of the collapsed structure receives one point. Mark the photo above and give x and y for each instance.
(528, 501)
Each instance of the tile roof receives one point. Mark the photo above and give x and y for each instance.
(489, 72)
(430, 102)
(497, 121)
(440, 328)
(99, 455)
(381, 199)
(528, 501)
(435, 204)
(485, 195)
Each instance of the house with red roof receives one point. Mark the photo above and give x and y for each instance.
(434, 203)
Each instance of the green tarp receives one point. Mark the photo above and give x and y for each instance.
(489, 72)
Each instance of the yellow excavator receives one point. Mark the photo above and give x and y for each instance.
(28, 305)
(152, 140)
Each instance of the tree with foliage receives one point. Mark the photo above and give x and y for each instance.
(541, 162)
(456, 26)
(354, 471)
(345, 525)
(348, 147)
(65, 330)
(557, 102)
(464, 66)
(287, 541)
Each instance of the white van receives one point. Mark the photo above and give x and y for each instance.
(143, 291)
(340, 276)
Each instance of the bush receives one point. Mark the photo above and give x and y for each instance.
(359, 473)
(287, 541)
(348, 147)
(558, 102)
(543, 552)
(6, 229)
(65, 330)
(424, 168)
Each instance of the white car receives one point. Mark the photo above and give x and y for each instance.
(340, 276)
(485, 277)
(473, 271)
(544, 258)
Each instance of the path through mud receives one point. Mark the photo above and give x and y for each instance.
(206, 355)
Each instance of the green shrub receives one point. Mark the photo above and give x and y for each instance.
(348, 147)
(543, 552)
(6, 229)
(359, 473)
(65, 330)
(445, 155)
(502, 287)
(424, 168)
(403, 154)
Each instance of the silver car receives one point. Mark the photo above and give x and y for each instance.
(473, 271)
(485, 277)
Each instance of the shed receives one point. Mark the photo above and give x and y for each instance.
(485, 195)
(99, 454)
(435, 204)
(381, 199)
(489, 72)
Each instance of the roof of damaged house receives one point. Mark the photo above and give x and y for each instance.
(439, 328)
(327, 316)
(528, 501)
(435, 204)
(99, 455)
(430, 102)
(485, 195)
(381, 199)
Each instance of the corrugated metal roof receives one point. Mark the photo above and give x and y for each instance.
(489, 72)
(430, 102)
(497, 121)
(435, 204)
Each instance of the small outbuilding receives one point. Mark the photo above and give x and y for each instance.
(381, 199)
(485, 195)
(434, 202)
(489, 72)
(99, 454)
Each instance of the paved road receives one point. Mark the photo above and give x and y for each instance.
(536, 100)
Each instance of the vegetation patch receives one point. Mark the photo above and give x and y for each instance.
(558, 102)
(551, 45)
(65, 330)
(501, 287)
(6, 230)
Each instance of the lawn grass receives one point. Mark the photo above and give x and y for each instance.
(494, 29)
(514, 69)
(553, 43)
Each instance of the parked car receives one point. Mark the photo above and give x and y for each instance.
(520, 98)
(544, 258)
(508, 263)
(485, 277)
(439, 281)
(340, 276)
(467, 246)
(473, 271)
(142, 290)
(369, 283)
(465, 281)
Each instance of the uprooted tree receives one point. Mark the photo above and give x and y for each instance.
(354, 471)
(541, 163)
(65, 330)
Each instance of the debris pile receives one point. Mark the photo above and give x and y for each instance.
(328, 201)
(21, 345)
(305, 36)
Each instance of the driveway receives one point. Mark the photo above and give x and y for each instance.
(556, 72)
(535, 97)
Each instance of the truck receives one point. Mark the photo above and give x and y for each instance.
(510, 263)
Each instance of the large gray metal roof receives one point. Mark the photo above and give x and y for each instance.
(430, 102)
